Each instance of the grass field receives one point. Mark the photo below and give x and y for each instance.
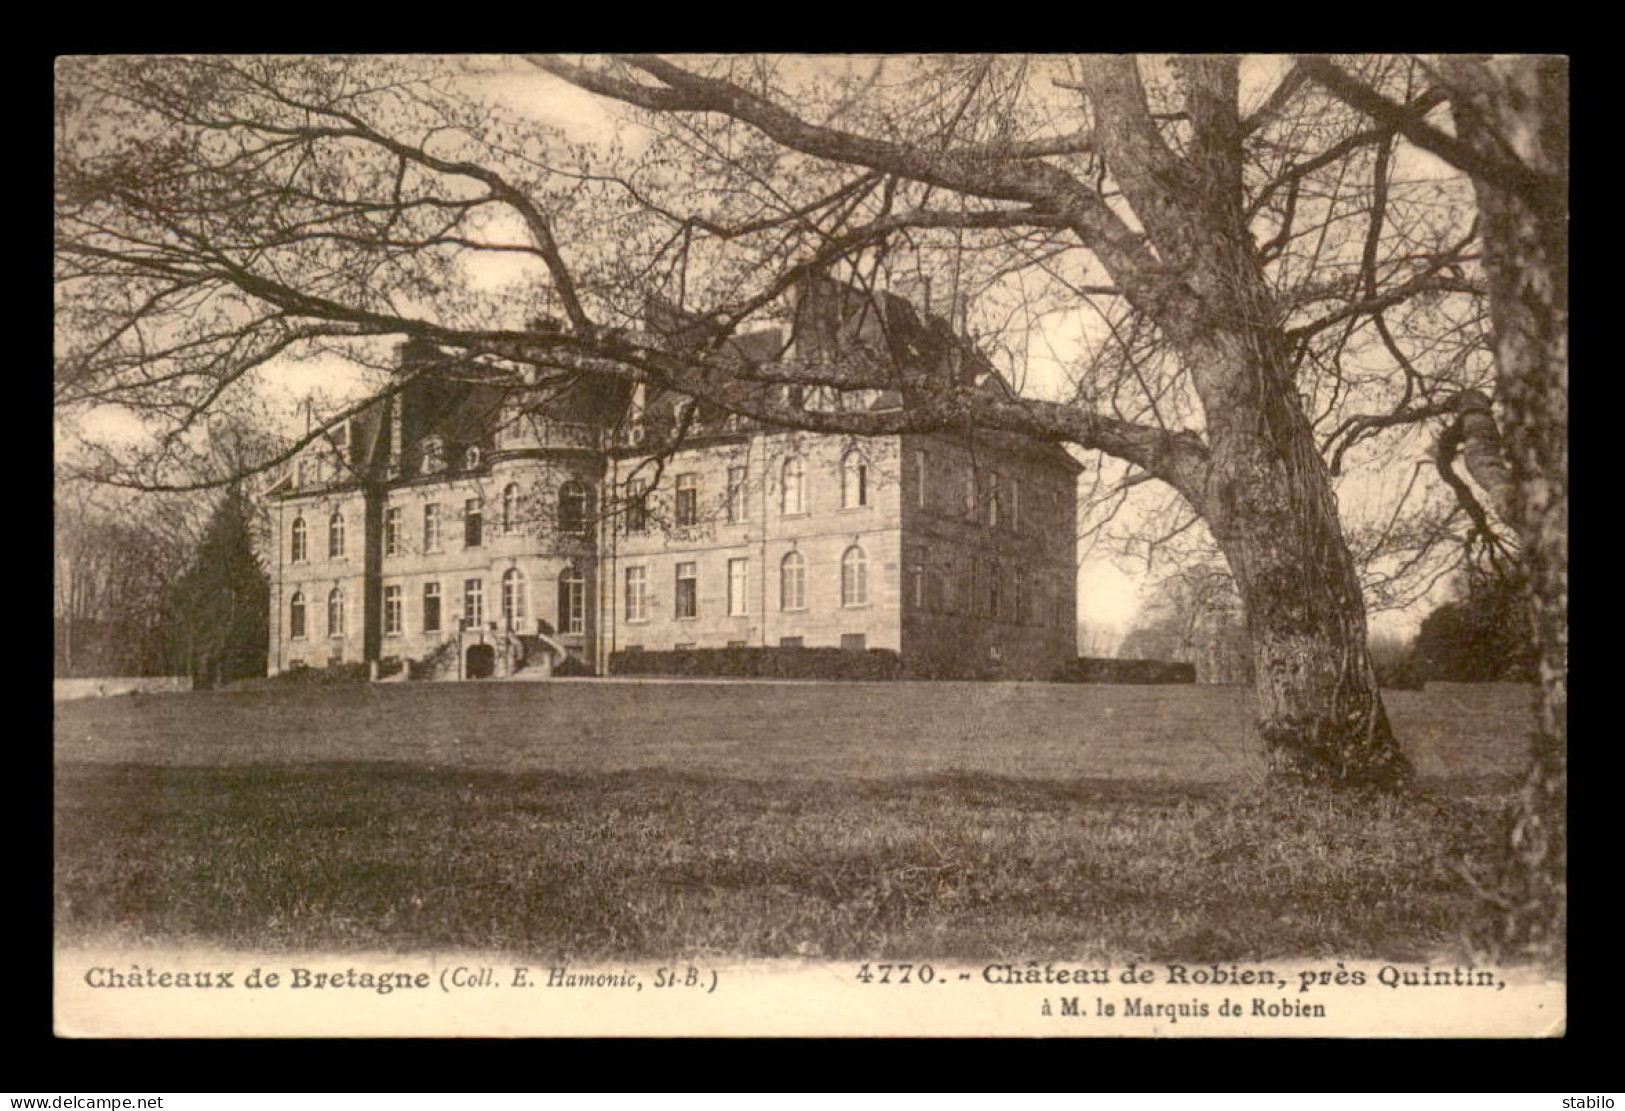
(651, 819)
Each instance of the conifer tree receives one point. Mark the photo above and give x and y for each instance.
(217, 617)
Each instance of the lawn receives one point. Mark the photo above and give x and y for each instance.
(591, 819)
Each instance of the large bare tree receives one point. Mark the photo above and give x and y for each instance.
(1511, 134)
(1269, 283)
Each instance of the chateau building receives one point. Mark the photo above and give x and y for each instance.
(463, 529)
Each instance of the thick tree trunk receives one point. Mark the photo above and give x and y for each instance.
(1270, 505)
(1519, 107)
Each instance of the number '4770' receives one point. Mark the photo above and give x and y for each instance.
(897, 974)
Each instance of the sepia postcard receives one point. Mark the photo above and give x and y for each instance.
(811, 545)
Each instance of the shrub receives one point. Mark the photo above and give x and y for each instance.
(762, 663)
(1396, 665)
(1484, 638)
(1403, 674)
(572, 668)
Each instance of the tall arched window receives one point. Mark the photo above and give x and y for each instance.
(510, 508)
(572, 601)
(296, 616)
(854, 480)
(794, 491)
(573, 508)
(513, 597)
(301, 541)
(793, 582)
(335, 535)
(854, 577)
(335, 613)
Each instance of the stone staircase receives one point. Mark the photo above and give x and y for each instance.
(538, 655)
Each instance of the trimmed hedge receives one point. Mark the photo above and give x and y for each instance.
(1089, 669)
(762, 663)
(304, 675)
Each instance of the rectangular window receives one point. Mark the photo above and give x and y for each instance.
(916, 585)
(688, 500)
(1015, 504)
(969, 492)
(573, 603)
(637, 506)
(473, 603)
(688, 591)
(473, 520)
(431, 528)
(392, 610)
(392, 530)
(993, 499)
(737, 644)
(792, 642)
(738, 587)
(854, 481)
(431, 607)
(853, 642)
(738, 503)
(513, 599)
(921, 462)
(637, 593)
(793, 492)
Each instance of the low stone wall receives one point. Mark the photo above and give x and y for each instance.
(63, 690)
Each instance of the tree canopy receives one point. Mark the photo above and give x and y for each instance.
(1220, 274)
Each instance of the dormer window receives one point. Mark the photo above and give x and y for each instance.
(686, 417)
(471, 459)
(434, 455)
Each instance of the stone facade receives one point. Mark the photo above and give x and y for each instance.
(467, 532)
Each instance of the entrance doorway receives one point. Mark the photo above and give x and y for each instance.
(481, 662)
